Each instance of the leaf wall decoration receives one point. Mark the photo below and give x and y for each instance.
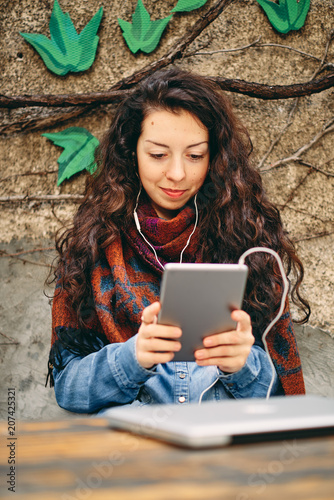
(286, 15)
(79, 148)
(66, 51)
(143, 34)
(188, 5)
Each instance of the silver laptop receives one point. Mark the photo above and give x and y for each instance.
(221, 423)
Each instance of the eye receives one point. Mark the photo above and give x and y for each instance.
(196, 157)
(157, 156)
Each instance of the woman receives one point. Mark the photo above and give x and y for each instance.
(174, 149)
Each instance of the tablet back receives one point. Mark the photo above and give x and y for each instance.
(220, 423)
(199, 299)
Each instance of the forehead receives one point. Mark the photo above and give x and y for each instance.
(164, 122)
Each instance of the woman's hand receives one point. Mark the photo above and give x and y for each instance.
(156, 343)
(228, 350)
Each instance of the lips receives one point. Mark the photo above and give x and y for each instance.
(173, 193)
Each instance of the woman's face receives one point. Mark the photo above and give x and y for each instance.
(173, 159)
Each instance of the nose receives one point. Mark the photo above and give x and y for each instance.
(175, 171)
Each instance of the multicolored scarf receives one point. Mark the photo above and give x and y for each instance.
(127, 279)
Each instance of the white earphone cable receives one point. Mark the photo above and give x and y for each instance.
(135, 216)
(277, 317)
(195, 225)
(281, 309)
(205, 390)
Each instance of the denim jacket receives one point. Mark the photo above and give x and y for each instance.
(113, 376)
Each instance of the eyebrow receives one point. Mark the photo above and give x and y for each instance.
(165, 146)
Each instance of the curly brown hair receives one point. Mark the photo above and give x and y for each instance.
(235, 213)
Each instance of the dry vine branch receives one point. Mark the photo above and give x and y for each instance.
(76, 198)
(271, 92)
(305, 212)
(46, 172)
(280, 134)
(252, 89)
(255, 44)
(296, 157)
(55, 215)
(330, 37)
(294, 108)
(295, 189)
(118, 90)
(25, 261)
(312, 236)
(287, 47)
(290, 118)
(61, 101)
(222, 51)
(28, 124)
(317, 169)
(13, 341)
(16, 254)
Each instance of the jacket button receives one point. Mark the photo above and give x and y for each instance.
(182, 399)
(182, 375)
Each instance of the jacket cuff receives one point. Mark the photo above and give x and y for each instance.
(126, 368)
(239, 384)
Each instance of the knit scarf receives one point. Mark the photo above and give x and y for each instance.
(127, 278)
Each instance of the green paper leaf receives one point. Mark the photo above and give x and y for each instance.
(303, 8)
(276, 15)
(286, 15)
(143, 34)
(140, 20)
(188, 5)
(153, 35)
(291, 10)
(79, 147)
(66, 51)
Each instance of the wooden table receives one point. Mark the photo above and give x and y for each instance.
(83, 459)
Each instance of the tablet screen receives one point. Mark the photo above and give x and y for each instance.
(199, 298)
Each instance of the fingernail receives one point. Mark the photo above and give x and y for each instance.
(200, 354)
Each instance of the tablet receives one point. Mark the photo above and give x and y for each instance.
(199, 298)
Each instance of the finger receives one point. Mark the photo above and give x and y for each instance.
(242, 318)
(161, 331)
(228, 365)
(211, 362)
(225, 338)
(218, 352)
(155, 344)
(154, 358)
(158, 345)
(237, 340)
(150, 313)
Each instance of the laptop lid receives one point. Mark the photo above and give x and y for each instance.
(220, 423)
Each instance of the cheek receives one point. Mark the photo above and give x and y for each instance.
(199, 178)
(151, 174)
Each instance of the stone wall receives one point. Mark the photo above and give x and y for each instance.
(302, 190)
